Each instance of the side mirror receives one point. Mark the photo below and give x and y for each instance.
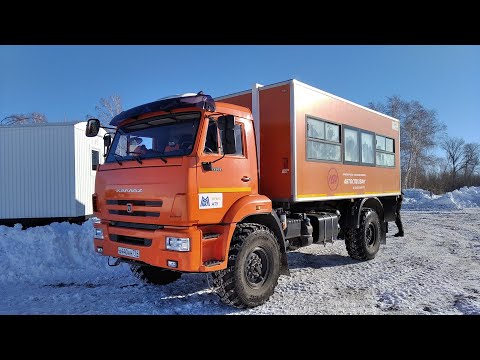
(229, 144)
(107, 140)
(93, 126)
(226, 125)
(226, 122)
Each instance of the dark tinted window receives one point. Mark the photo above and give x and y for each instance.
(211, 142)
(95, 159)
(238, 140)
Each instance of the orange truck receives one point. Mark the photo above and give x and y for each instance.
(228, 186)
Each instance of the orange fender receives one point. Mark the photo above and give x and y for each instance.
(248, 205)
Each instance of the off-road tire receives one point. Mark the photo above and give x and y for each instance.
(253, 267)
(363, 243)
(154, 276)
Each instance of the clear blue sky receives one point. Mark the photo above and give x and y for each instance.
(67, 81)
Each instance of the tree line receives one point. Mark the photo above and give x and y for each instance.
(105, 110)
(29, 118)
(421, 133)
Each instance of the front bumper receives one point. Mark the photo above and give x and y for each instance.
(151, 247)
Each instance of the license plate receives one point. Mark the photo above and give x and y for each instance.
(128, 252)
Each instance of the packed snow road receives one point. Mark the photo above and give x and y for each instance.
(434, 269)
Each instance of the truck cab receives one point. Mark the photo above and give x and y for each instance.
(175, 181)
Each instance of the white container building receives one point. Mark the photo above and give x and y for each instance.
(47, 171)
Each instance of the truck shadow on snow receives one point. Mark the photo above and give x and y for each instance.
(297, 260)
(191, 294)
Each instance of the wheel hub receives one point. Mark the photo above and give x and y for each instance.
(371, 235)
(257, 267)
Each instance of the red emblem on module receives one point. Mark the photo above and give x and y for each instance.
(332, 179)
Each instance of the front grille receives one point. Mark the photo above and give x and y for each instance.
(130, 225)
(135, 202)
(131, 240)
(134, 213)
(132, 205)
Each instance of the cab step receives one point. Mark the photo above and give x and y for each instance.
(211, 263)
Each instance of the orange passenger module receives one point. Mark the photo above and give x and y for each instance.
(317, 146)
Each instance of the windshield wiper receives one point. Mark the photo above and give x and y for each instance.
(121, 157)
(139, 160)
(136, 156)
(160, 153)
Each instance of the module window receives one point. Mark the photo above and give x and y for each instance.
(323, 140)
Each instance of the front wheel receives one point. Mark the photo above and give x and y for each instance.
(253, 267)
(363, 243)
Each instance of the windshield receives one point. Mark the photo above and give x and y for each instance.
(155, 137)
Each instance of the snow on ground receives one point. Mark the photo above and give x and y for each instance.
(434, 269)
(466, 197)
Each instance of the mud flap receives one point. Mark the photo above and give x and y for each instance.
(383, 233)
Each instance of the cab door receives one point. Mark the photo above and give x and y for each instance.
(230, 176)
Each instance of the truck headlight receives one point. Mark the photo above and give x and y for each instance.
(177, 244)
(98, 234)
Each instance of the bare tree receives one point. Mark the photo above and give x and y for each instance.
(107, 108)
(395, 107)
(29, 118)
(419, 133)
(454, 150)
(470, 162)
(436, 176)
(425, 165)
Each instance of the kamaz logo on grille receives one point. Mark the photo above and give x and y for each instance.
(129, 190)
(129, 208)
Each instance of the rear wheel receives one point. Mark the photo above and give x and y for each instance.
(363, 243)
(253, 267)
(153, 275)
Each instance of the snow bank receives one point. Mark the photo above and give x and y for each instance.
(418, 199)
(56, 252)
(63, 252)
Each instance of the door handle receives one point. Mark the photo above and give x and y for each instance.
(246, 178)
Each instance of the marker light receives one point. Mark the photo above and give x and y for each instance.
(172, 263)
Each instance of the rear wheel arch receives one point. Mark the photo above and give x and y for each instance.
(351, 215)
(363, 243)
(371, 203)
(376, 205)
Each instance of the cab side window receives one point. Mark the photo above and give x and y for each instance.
(238, 140)
(211, 142)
